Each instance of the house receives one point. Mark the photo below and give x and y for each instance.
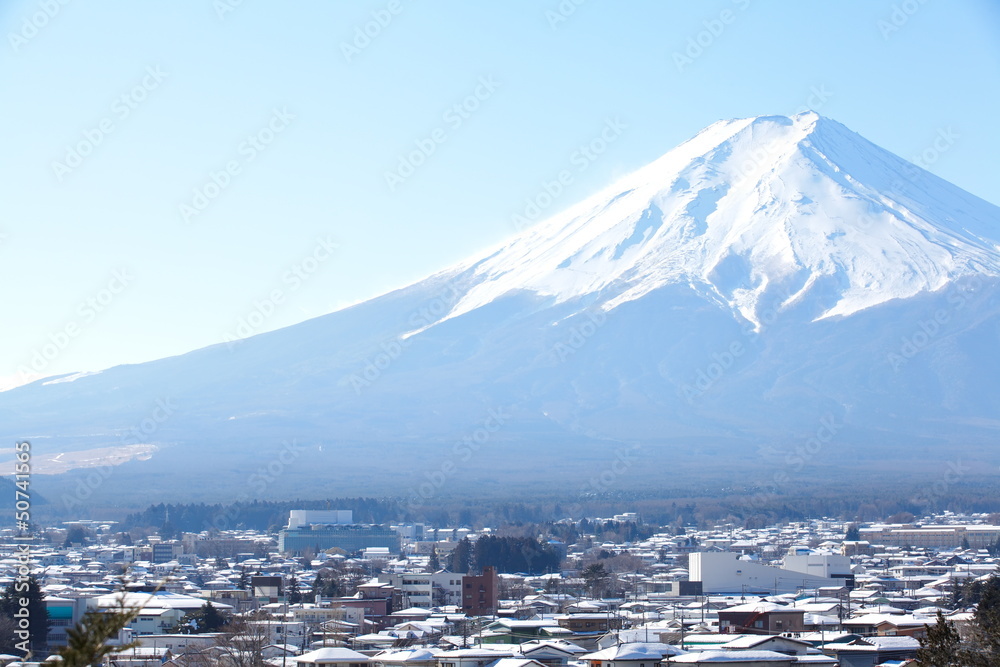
(511, 631)
(516, 662)
(741, 658)
(179, 644)
(589, 622)
(279, 651)
(867, 624)
(341, 657)
(417, 657)
(471, 657)
(644, 654)
(904, 626)
(871, 651)
(761, 618)
(775, 643)
(555, 653)
(140, 657)
(161, 611)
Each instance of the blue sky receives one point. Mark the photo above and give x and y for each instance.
(176, 173)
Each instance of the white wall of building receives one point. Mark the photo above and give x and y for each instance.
(299, 518)
(723, 572)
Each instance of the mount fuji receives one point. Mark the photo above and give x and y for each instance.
(775, 296)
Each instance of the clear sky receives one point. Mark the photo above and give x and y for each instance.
(171, 168)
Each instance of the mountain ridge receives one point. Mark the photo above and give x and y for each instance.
(717, 302)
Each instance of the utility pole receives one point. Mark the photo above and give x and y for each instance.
(284, 627)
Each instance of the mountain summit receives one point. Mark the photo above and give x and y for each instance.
(800, 206)
(767, 281)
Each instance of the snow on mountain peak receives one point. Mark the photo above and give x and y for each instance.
(779, 206)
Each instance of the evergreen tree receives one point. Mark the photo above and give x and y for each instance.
(37, 616)
(595, 576)
(244, 583)
(986, 626)
(942, 645)
(853, 533)
(982, 643)
(206, 619)
(75, 535)
(433, 564)
(461, 556)
(168, 530)
(995, 549)
(294, 592)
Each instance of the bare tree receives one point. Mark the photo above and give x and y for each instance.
(242, 641)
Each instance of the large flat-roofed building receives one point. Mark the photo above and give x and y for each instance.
(724, 572)
(978, 536)
(300, 518)
(316, 531)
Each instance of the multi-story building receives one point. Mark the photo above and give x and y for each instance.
(480, 593)
(426, 589)
(316, 531)
(931, 535)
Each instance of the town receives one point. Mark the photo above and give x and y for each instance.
(594, 592)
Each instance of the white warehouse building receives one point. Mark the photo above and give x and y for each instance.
(724, 572)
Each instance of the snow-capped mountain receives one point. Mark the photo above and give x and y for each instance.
(769, 280)
(753, 206)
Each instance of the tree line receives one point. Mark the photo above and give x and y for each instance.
(506, 554)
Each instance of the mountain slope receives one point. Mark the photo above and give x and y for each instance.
(714, 309)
